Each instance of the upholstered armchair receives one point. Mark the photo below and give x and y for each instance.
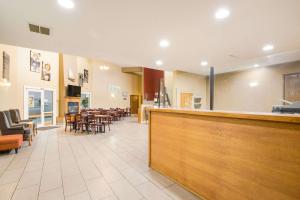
(9, 119)
(16, 118)
(7, 129)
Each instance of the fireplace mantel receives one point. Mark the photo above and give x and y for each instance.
(71, 99)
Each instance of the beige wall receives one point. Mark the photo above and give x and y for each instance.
(20, 76)
(103, 81)
(77, 65)
(233, 90)
(178, 82)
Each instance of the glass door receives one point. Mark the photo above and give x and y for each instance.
(34, 105)
(39, 106)
(48, 107)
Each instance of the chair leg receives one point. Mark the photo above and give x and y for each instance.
(16, 150)
(30, 140)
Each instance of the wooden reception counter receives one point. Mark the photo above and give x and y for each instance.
(227, 155)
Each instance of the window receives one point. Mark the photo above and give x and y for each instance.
(86, 100)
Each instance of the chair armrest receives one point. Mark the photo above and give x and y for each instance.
(20, 126)
(12, 132)
(16, 128)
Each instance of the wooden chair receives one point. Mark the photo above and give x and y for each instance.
(79, 123)
(94, 124)
(69, 122)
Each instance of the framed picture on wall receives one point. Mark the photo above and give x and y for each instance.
(6, 61)
(35, 61)
(85, 76)
(124, 95)
(80, 79)
(46, 72)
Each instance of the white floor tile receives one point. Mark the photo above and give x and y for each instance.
(30, 179)
(98, 188)
(74, 185)
(29, 193)
(158, 179)
(6, 191)
(133, 176)
(56, 194)
(151, 191)
(125, 191)
(51, 181)
(178, 193)
(11, 176)
(80, 196)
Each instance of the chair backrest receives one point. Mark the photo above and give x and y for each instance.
(13, 115)
(68, 117)
(18, 114)
(8, 117)
(78, 117)
(4, 124)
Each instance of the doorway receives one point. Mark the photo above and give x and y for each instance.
(291, 87)
(39, 105)
(186, 100)
(134, 103)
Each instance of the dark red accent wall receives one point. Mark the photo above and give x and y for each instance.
(151, 82)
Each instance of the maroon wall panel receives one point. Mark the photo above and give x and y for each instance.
(151, 82)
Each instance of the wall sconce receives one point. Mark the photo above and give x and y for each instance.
(104, 67)
(253, 84)
(4, 82)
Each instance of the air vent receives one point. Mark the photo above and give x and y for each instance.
(34, 28)
(39, 29)
(44, 30)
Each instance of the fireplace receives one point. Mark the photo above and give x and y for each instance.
(73, 107)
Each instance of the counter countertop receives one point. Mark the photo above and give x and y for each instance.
(275, 117)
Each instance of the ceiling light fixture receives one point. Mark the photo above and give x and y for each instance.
(159, 63)
(164, 43)
(222, 13)
(268, 47)
(204, 63)
(69, 4)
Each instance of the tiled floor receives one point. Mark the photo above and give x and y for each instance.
(72, 166)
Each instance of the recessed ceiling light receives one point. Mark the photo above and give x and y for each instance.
(222, 13)
(253, 84)
(204, 63)
(159, 63)
(256, 65)
(66, 3)
(268, 47)
(164, 43)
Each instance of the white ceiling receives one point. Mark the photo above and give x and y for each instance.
(127, 32)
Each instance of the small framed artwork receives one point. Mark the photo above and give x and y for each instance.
(85, 76)
(80, 79)
(46, 72)
(6, 61)
(124, 95)
(35, 61)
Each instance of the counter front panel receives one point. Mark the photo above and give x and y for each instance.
(225, 156)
